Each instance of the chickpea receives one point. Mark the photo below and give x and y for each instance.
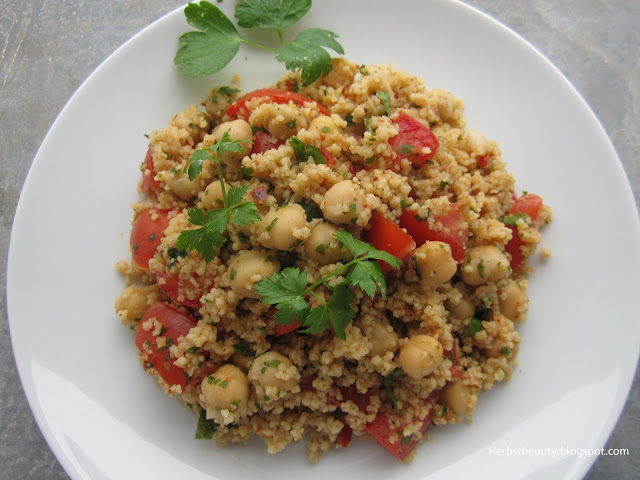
(383, 339)
(457, 398)
(249, 267)
(433, 263)
(212, 199)
(474, 142)
(464, 308)
(484, 264)
(420, 355)
(322, 246)
(513, 301)
(226, 389)
(343, 203)
(325, 125)
(285, 121)
(237, 130)
(270, 369)
(184, 188)
(135, 300)
(280, 228)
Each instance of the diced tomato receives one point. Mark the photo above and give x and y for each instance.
(263, 142)
(483, 160)
(382, 428)
(412, 137)
(146, 234)
(278, 328)
(331, 160)
(149, 182)
(344, 437)
(456, 370)
(172, 287)
(306, 382)
(528, 204)
(175, 324)
(386, 235)
(453, 221)
(360, 399)
(238, 109)
(284, 329)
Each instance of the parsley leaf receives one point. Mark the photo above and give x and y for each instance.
(303, 151)
(386, 101)
(367, 275)
(337, 312)
(387, 381)
(206, 239)
(289, 290)
(474, 327)
(217, 40)
(284, 286)
(205, 428)
(213, 224)
(274, 14)
(211, 49)
(306, 52)
(364, 251)
(196, 161)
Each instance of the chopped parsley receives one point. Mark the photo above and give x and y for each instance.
(205, 428)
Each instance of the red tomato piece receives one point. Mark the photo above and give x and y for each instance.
(263, 142)
(360, 399)
(386, 235)
(172, 287)
(175, 324)
(238, 109)
(452, 220)
(149, 182)
(344, 437)
(284, 329)
(412, 137)
(306, 382)
(530, 205)
(146, 234)
(278, 328)
(331, 160)
(483, 160)
(381, 429)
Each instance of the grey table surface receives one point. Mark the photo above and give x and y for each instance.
(47, 48)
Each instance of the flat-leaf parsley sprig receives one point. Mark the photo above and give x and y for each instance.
(290, 290)
(211, 48)
(213, 224)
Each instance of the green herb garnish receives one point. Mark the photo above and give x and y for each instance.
(474, 327)
(512, 219)
(386, 101)
(303, 151)
(217, 40)
(205, 428)
(387, 381)
(289, 290)
(214, 223)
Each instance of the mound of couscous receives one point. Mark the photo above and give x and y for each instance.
(344, 259)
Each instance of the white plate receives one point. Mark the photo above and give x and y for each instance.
(105, 419)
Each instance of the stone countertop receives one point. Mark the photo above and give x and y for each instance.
(48, 48)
